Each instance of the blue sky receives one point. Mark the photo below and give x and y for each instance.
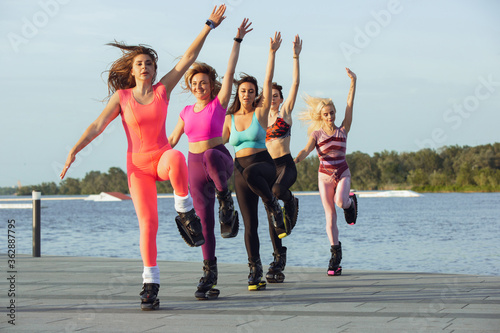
(428, 71)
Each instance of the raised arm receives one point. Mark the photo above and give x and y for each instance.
(292, 95)
(311, 143)
(350, 101)
(227, 83)
(110, 112)
(262, 110)
(171, 79)
(174, 138)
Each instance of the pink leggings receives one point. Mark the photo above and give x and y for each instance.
(143, 170)
(334, 192)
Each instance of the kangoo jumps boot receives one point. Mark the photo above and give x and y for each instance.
(208, 281)
(276, 268)
(291, 208)
(334, 267)
(149, 294)
(190, 228)
(228, 217)
(255, 277)
(351, 213)
(275, 216)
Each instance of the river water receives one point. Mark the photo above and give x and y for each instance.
(438, 233)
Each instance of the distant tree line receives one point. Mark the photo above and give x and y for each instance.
(448, 169)
(94, 182)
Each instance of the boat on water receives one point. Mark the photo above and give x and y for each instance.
(387, 194)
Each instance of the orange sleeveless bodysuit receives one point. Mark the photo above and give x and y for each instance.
(149, 159)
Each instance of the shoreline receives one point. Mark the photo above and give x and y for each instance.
(170, 195)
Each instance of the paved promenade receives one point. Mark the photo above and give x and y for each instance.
(75, 294)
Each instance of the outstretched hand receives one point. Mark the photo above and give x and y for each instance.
(217, 15)
(297, 46)
(351, 74)
(276, 42)
(69, 161)
(244, 28)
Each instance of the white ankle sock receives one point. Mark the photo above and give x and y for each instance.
(151, 275)
(183, 204)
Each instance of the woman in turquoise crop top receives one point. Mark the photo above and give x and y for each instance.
(143, 106)
(210, 165)
(253, 137)
(255, 171)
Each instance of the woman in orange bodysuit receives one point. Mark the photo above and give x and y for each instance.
(150, 158)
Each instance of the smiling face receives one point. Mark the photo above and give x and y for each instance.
(200, 86)
(276, 99)
(247, 94)
(328, 115)
(143, 67)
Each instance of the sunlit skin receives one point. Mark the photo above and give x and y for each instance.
(143, 70)
(247, 95)
(328, 117)
(283, 107)
(332, 193)
(276, 101)
(201, 89)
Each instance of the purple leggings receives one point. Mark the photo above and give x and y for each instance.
(208, 171)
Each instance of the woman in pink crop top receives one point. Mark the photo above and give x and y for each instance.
(278, 145)
(210, 164)
(334, 177)
(150, 158)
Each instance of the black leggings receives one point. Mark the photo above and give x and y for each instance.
(286, 175)
(254, 177)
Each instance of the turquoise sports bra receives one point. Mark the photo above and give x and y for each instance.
(253, 137)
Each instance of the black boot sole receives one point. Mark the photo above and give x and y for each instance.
(191, 240)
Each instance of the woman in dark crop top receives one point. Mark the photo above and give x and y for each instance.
(278, 145)
(255, 172)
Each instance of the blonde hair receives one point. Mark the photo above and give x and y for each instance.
(201, 67)
(312, 113)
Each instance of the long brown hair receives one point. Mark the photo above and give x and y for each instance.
(236, 102)
(201, 67)
(120, 75)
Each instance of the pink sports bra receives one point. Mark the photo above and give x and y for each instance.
(205, 124)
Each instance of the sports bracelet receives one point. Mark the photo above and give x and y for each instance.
(210, 23)
(238, 40)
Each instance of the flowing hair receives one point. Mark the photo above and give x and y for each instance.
(312, 113)
(120, 72)
(201, 67)
(236, 102)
